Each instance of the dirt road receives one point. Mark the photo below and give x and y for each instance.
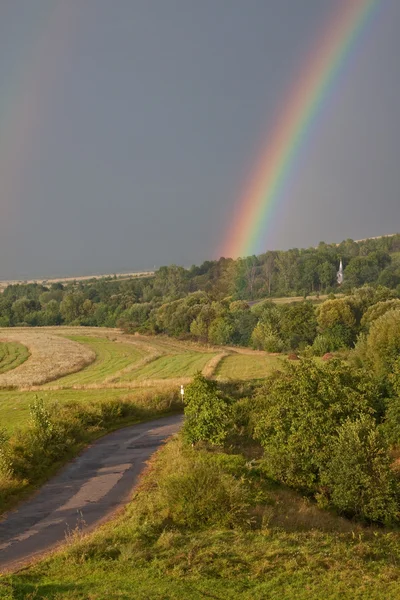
(91, 487)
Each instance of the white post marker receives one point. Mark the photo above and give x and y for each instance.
(182, 391)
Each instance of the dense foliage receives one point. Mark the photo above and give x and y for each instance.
(204, 302)
(324, 429)
(207, 412)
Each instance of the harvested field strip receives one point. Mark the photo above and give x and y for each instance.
(152, 354)
(247, 366)
(111, 357)
(165, 367)
(51, 357)
(211, 367)
(12, 354)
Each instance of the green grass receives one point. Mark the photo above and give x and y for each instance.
(247, 366)
(111, 357)
(296, 552)
(172, 366)
(12, 354)
(14, 405)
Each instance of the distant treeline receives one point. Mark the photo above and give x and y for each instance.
(210, 302)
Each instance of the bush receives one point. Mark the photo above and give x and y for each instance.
(358, 475)
(264, 337)
(297, 412)
(201, 493)
(377, 310)
(207, 413)
(382, 346)
(391, 425)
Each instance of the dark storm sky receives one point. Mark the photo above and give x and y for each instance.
(128, 129)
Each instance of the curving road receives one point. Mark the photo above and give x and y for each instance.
(86, 491)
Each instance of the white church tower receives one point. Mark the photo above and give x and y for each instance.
(339, 275)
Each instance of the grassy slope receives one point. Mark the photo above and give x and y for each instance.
(111, 357)
(247, 366)
(12, 354)
(297, 552)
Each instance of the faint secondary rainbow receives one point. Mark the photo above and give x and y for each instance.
(306, 100)
(26, 97)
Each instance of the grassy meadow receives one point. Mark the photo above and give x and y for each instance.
(118, 366)
(174, 541)
(112, 366)
(15, 404)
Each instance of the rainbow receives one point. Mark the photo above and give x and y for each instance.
(275, 168)
(26, 102)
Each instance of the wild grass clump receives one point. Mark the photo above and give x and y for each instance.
(57, 431)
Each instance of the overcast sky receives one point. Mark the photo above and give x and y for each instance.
(128, 129)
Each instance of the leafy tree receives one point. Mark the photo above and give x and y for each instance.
(22, 307)
(298, 324)
(335, 312)
(358, 476)
(377, 310)
(297, 412)
(327, 274)
(337, 322)
(265, 337)
(382, 345)
(71, 306)
(220, 331)
(207, 413)
(242, 321)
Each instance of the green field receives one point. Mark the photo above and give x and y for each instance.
(247, 366)
(14, 405)
(145, 362)
(12, 355)
(111, 357)
(171, 366)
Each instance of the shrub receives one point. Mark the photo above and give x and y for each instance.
(297, 412)
(382, 346)
(264, 337)
(377, 310)
(202, 493)
(207, 413)
(358, 474)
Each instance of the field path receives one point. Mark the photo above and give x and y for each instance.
(90, 488)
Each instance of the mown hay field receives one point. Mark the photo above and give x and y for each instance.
(51, 357)
(171, 366)
(247, 366)
(12, 354)
(111, 357)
